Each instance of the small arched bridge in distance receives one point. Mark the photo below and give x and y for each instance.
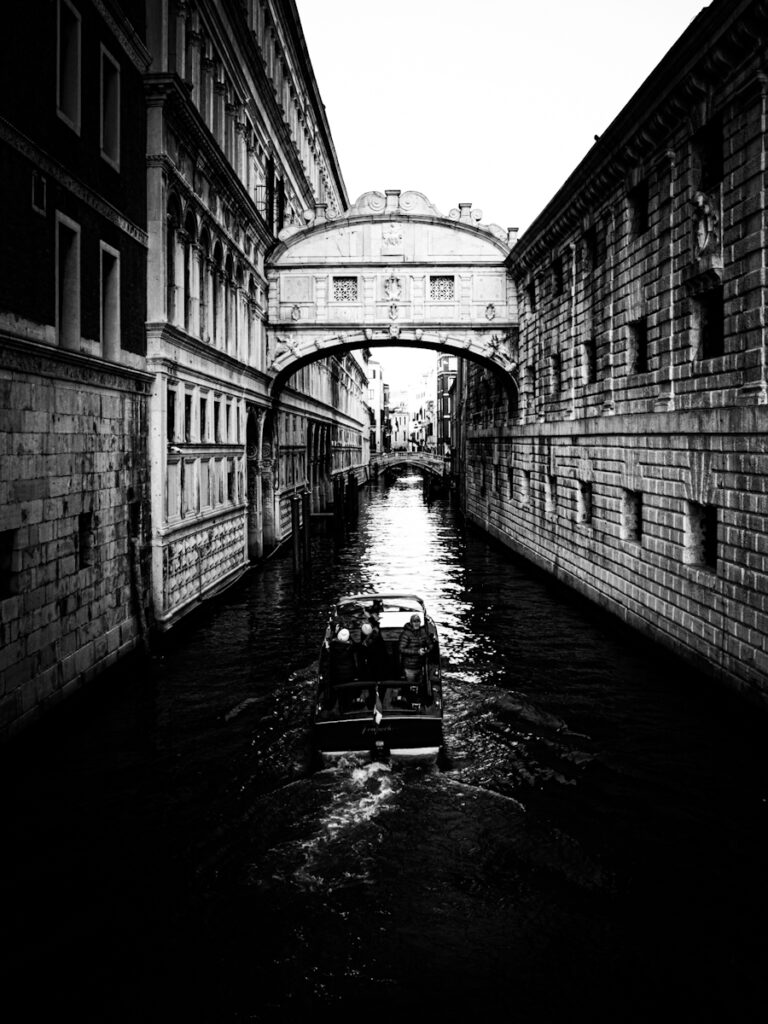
(429, 464)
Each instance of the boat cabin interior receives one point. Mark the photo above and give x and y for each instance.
(360, 656)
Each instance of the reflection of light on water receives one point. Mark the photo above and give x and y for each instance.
(365, 791)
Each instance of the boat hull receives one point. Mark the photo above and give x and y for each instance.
(410, 736)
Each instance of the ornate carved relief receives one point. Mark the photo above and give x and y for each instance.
(706, 222)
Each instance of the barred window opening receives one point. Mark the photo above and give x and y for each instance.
(441, 289)
(345, 289)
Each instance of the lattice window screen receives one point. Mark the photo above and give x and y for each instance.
(345, 289)
(441, 288)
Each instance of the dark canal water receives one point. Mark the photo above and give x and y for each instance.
(594, 844)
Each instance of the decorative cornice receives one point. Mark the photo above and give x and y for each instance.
(29, 149)
(65, 364)
(720, 37)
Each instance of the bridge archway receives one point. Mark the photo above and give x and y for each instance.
(392, 271)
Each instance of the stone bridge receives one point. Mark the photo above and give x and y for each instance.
(434, 465)
(392, 271)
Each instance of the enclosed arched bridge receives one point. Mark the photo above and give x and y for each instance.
(392, 271)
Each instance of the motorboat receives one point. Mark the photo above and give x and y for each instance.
(379, 686)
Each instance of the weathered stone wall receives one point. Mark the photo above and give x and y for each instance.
(632, 463)
(73, 510)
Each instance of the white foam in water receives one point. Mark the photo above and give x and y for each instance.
(365, 791)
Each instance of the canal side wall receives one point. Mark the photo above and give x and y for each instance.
(631, 460)
(73, 521)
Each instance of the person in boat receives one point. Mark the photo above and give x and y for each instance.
(373, 652)
(350, 616)
(415, 645)
(343, 663)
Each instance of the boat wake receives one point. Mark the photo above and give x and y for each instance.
(337, 853)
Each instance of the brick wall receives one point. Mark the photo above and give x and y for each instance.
(633, 463)
(73, 515)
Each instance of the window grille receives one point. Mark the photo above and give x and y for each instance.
(345, 289)
(441, 289)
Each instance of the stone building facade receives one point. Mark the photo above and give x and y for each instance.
(148, 167)
(74, 485)
(631, 462)
(238, 148)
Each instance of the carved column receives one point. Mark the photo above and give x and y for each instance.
(240, 159)
(220, 292)
(180, 29)
(196, 257)
(207, 67)
(194, 51)
(219, 124)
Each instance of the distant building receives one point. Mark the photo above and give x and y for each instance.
(446, 376)
(376, 404)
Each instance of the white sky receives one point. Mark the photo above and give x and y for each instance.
(492, 102)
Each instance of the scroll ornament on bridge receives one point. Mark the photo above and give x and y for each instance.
(284, 347)
(497, 350)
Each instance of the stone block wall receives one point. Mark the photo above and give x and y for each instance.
(632, 462)
(73, 515)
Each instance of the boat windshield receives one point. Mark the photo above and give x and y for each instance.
(389, 611)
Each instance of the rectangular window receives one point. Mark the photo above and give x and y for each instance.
(187, 417)
(708, 315)
(68, 66)
(203, 418)
(511, 481)
(700, 535)
(67, 282)
(228, 421)
(217, 420)
(441, 288)
(110, 302)
(707, 145)
(110, 109)
(584, 503)
(496, 480)
(205, 495)
(525, 495)
(39, 192)
(530, 291)
(557, 275)
(593, 256)
(345, 289)
(637, 348)
(589, 361)
(84, 539)
(8, 575)
(639, 209)
(555, 373)
(550, 495)
(170, 414)
(632, 516)
(230, 480)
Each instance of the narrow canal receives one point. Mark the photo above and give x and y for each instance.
(594, 843)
